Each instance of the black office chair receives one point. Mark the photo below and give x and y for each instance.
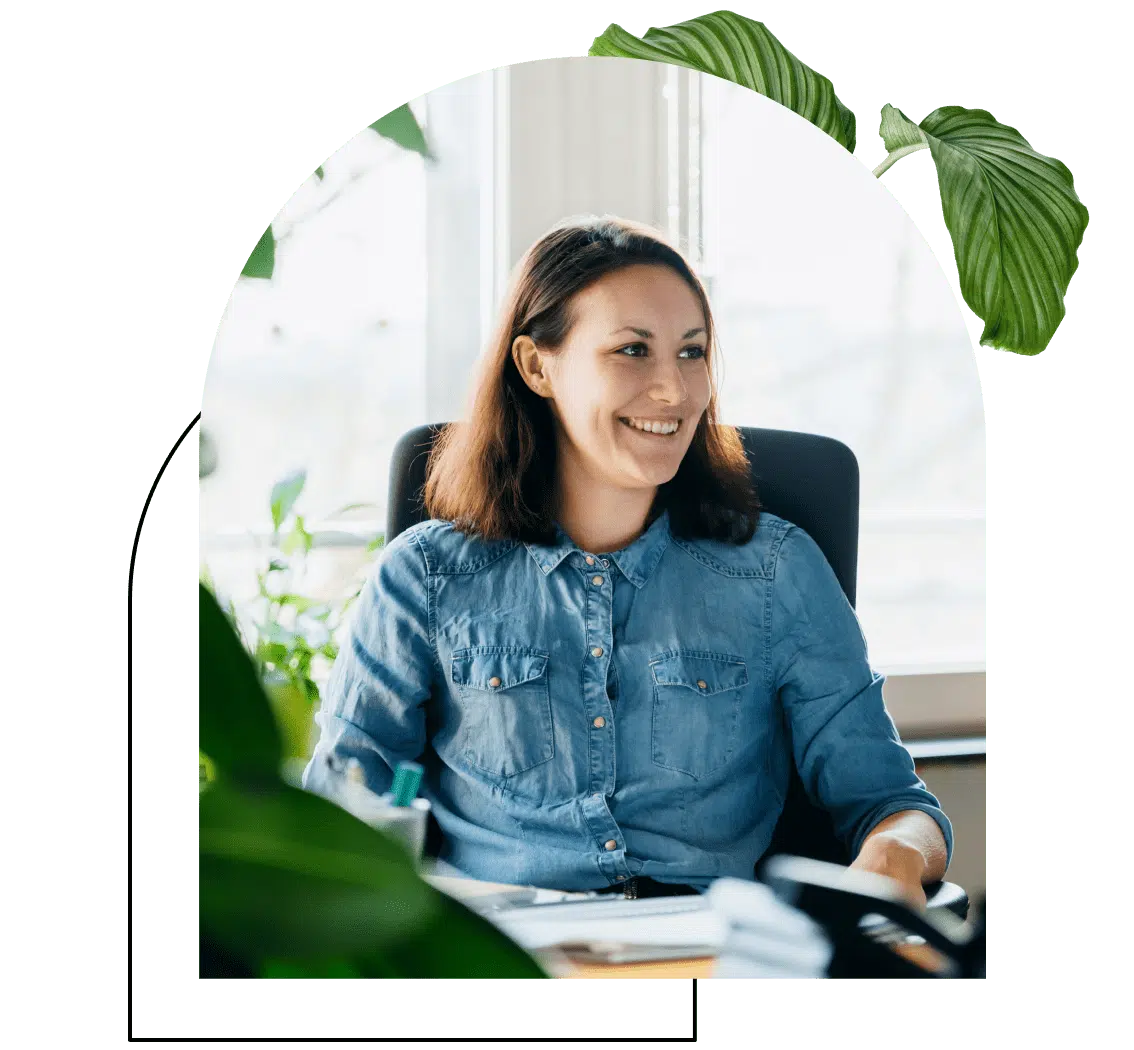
(806, 479)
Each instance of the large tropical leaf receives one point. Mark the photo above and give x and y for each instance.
(286, 874)
(743, 51)
(1012, 213)
(237, 729)
(294, 886)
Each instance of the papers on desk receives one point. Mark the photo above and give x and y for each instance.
(750, 931)
(612, 929)
(764, 936)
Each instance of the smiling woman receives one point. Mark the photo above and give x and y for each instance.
(603, 653)
(605, 331)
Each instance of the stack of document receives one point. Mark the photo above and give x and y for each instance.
(750, 931)
(613, 929)
(764, 937)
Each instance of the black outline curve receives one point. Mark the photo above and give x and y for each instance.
(692, 1036)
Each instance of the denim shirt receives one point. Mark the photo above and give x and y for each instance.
(584, 718)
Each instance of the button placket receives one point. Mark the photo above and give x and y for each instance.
(597, 627)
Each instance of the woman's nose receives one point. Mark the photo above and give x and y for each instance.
(669, 386)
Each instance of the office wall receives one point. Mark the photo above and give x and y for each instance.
(959, 785)
(927, 706)
(937, 712)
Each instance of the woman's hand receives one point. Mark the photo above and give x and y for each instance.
(907, 847)
(898, 861)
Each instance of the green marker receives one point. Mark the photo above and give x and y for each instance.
(407, 779)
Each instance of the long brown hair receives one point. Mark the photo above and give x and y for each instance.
(494, 475)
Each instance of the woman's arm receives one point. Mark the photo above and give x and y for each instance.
(845, 745)
(373, 705)
(906, 846)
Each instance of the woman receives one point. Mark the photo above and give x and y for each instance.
(595, 643)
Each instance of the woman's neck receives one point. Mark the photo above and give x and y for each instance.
(605, 520)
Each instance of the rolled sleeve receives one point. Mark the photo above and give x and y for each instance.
(373, 705)
(846, 747)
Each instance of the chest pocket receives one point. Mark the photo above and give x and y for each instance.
(697, 698)
(505, 708)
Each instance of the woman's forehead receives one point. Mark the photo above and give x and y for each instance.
(650, 298)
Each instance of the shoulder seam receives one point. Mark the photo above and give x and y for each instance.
(430, 594)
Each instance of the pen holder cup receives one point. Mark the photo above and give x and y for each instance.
(405, 824)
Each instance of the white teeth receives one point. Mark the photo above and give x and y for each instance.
(653, 428)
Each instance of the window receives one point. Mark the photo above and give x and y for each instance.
(323, 367)
(834, 318)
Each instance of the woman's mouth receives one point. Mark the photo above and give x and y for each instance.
(652, 427)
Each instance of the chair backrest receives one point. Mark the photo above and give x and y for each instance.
(806, 479)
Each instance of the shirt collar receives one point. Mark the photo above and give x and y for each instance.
(635, 561)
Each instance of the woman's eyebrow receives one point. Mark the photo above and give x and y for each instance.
(646, 334)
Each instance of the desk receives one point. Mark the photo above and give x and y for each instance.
(701, 968)
(684, 968)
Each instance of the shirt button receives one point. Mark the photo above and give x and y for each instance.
(494, 681)
(596, 580)
(599, 722)
(596, 651)
(701, 683)
(590, 560)
(611, 844)
(605, 563)
(620, 878)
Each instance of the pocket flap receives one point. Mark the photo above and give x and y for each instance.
(508, 665)
(704, 673)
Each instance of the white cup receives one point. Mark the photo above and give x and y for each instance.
(404, 824)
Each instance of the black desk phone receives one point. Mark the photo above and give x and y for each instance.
(853, 907)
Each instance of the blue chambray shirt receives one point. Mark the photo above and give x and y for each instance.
(584, 718)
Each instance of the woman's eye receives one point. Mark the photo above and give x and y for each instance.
(697, 351)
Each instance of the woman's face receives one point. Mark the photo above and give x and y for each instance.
(632, 367)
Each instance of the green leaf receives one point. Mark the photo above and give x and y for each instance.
(237, 729)
(319, 173)
(262, 261)
(899, 132)
(287, 875)
(313, 968)
(736, 48)
(300, 604)
(293, 709)
(377, 543)
(298, 539)
(1013, 215)
(290, 882)
(284, 494)
(272, 653)
(401, 126)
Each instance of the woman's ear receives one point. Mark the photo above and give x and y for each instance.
(530, 364)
